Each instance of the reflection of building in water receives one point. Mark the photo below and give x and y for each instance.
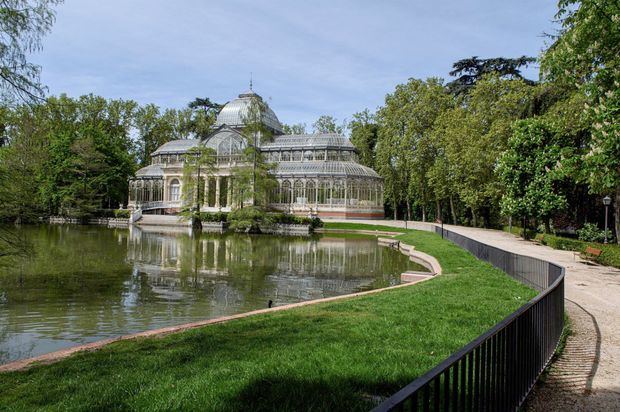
(289, 269)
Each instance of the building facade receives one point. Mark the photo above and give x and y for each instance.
(317, 174)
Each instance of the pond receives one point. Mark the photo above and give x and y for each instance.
(87, 283)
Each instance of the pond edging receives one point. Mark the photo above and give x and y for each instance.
(59, 355)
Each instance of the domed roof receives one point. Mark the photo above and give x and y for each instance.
(318, 141)
(321, 168)
(233, 113)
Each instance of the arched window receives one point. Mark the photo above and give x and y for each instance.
(175, 190)
(296, 156)
(298, 192)
(308, 155)
(332, 155)
(286, 156)
(286, 192)
(311, 192)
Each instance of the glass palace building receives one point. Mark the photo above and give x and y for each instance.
(317, 174)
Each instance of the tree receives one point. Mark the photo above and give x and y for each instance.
(364, 133)
(253, 178)
(23, 23)
(199, 164)
(405, 149)
(327, 124)
(469, 71)
(531, 171)
(474, 134)
(587, 53)
(204, 113)
(298, 128)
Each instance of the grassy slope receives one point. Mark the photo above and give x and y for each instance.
(323, 357)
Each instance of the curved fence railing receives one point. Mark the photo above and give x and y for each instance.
(497, 370)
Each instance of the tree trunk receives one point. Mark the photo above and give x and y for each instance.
(452, 211)
(395, 209)
(438, 211)
(474, 218)
(617, 214)
(423, 213)
(408, 210)
(547, 225)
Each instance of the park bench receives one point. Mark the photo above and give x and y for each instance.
(592, 252)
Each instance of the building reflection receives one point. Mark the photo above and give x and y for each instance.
(283, 269)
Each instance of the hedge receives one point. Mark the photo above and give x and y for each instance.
(609, 257)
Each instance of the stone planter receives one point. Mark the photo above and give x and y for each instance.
(214, 227)
(284, 229)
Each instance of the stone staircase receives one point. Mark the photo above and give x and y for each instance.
(162, 220)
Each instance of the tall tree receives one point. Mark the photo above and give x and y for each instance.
(469, 71)
(587, 53)
(204, 113)
(364, 133)
(23, 23)
(298, 128)
(327, 124)
(253, 179)
(531, 171)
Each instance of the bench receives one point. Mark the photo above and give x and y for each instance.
(591, 252)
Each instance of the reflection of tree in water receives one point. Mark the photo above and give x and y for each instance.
(256, 268)
(88, 283)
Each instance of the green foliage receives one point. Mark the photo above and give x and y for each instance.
(23, 23)
(253, 178)
(364, 134)
(327, 124)
(469, 71)
(122, 213)
(362, 346)
(213, 216)
(298, 128)
(530, 171)
(199, 164)
(247, 219)
(591, 233)
(610, 255)
(290, 219)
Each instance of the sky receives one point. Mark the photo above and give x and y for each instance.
(307, 58)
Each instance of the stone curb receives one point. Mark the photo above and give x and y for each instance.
(64, 353)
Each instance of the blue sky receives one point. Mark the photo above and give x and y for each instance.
(307, 57)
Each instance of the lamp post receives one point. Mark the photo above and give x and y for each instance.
(606, 202)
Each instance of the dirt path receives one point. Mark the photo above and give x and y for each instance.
(587, 376)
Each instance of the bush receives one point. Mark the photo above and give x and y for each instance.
(122, 213)
(609, 257)
(591, 233)
(213, 217)
(289, 219)
(247, 219)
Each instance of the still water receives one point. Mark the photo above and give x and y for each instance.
(87, 283)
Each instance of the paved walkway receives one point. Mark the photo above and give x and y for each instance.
(587, 375)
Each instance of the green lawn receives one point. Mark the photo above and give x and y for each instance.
(329, 356)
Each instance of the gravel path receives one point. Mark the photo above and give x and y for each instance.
(587, 376)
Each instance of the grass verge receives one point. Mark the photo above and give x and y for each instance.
(330, 356)
(362, 226)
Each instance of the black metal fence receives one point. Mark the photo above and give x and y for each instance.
(497, 370)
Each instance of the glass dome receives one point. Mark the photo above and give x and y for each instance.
(233, 113)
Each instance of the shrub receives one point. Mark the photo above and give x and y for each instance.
(609, 257)
(247, 219)
(591, 233)
(122, 213)
(213, 217)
